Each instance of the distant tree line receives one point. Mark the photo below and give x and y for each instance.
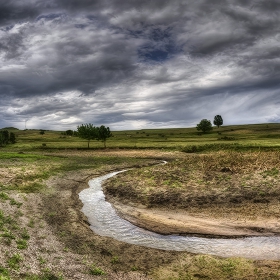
(7, 137)
(206, 125)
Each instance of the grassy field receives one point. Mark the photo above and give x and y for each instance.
(238, 137)
(43, 234)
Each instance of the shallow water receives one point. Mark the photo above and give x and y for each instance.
(104, 221)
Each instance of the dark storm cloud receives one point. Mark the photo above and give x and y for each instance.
(131, 64)
(12, 11)
(61, 66)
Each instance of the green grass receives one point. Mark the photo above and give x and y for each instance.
(94, 270)
(25, 235)
(4, 196)
(251, 136)
(21, 244)
(14, 261)
(4, 273)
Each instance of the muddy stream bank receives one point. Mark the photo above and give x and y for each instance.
(104, 220)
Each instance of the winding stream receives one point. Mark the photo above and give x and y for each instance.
(104, 221)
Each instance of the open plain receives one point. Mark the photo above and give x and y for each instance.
(225, 183)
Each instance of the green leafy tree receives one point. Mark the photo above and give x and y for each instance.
(103, 134)
(218, 120)
(42, 132)
(88, 132)
(204, 126)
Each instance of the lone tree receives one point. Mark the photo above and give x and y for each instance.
(88, 132)
(103, 134)
(218, 120)
(204, 126)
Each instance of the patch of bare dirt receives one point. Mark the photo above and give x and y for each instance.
(44, 251)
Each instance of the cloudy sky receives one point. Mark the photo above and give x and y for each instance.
(132, 64)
